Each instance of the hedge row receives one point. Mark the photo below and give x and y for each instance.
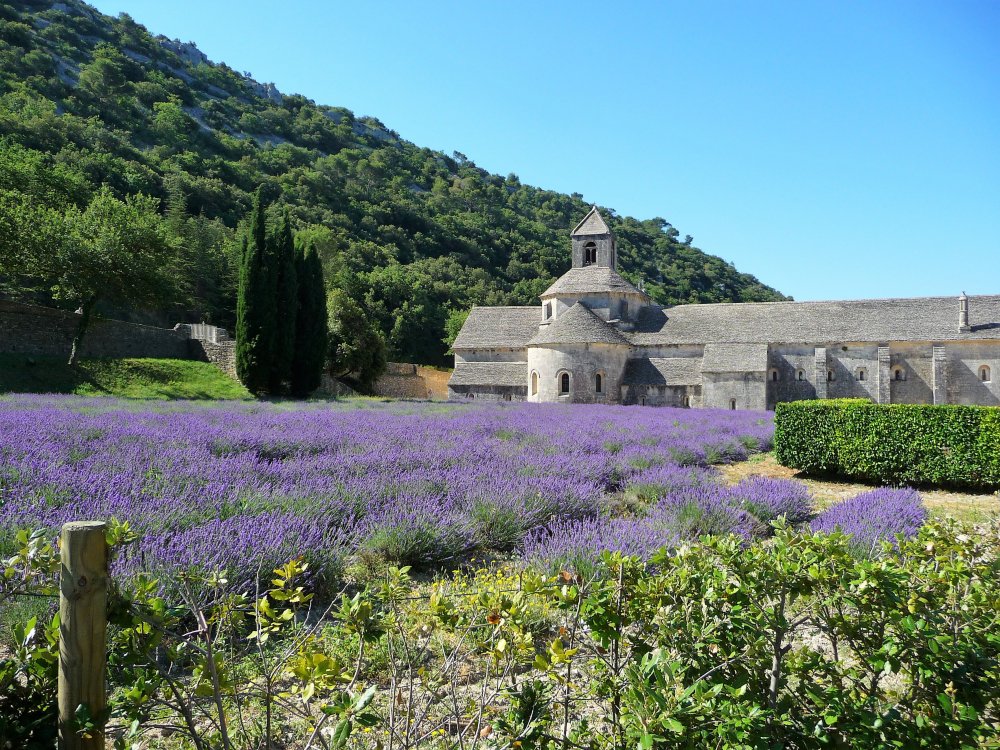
(951, 446)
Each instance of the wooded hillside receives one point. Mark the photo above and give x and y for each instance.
(415, 237)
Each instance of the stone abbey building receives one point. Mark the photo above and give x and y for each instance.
(598, 339)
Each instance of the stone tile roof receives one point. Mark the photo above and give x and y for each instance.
(663, 371)
(734, 358)
(913, 319)
(589, 279)
(498, 328)
(593, 223)
(490, 373)
(578, 325)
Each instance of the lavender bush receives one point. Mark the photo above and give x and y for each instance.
(875, 516)
(238, 486)
(233, 485)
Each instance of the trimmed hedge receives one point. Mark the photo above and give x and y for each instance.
(950, 446)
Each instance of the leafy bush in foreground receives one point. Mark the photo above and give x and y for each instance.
(942, 445)
(794, 643)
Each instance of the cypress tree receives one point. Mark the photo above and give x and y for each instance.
(255, 309)
(286, 306)
(310, 322)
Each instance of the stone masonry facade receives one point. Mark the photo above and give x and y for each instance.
(596, 338)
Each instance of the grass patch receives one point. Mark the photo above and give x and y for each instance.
(125, 378)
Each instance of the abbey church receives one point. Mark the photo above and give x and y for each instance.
(596, 338)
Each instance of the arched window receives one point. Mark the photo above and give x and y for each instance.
(732, 404)
(470, 394)
(898, 373)
(800, 374)
(590, 254)
(564, 383)
(774, 375)
(829, 376)
(862, 374)
(687, 402)
(534, 383)
(599, 383)
(984, 373)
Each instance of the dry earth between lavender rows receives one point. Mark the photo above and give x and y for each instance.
(964, 506)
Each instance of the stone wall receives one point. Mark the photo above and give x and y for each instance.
(682, 396)
(963, 381)
(405, 380)
(489, 393)
(43, 331)
(582, 362)
(436, 381)
(222, 354)
(734, 390)
(33, 330)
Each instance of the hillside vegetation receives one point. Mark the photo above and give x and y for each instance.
(413, 236)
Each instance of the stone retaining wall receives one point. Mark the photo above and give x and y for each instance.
(405, 380)
(34, 330)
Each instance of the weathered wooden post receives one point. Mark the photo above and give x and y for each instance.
(83, 594)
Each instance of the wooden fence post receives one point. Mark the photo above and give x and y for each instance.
(83, 594)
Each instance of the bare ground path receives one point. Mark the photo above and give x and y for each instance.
(971, 507)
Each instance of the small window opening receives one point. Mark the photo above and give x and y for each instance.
(861, 373)
(687, 402)
(829, 376)
(898, 374)
(534, 383)
(598, 383)
(774, 375)
(470, 395)
(800, 375)
(732, 404)
(590, 254)
(506, 397)
(984, 373)
(548, 310)
(564, 383)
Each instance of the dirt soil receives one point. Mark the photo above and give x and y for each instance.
(970, 507)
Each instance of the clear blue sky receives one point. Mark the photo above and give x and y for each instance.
(833, 149)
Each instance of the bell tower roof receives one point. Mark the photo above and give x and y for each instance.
(592, 224)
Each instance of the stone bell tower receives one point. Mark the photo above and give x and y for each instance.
(593, 243)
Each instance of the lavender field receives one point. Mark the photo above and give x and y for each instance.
(243, 486)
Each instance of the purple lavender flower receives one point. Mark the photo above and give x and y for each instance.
(238, 485)
(768, 499)
(875, 516)
(576, 545)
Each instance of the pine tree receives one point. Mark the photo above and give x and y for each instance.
(255, 306)
(286, 306)
(310, 323)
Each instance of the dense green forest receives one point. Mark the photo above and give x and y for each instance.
(96, 112)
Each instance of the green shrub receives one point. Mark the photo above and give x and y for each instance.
(953, 446)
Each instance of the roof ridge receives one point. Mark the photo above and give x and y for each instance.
(830, 301)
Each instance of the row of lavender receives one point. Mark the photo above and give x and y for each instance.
(244, 485)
